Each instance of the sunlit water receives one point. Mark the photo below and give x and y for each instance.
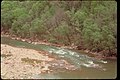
(87, 67)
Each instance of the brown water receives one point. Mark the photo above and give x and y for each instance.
(87, 67)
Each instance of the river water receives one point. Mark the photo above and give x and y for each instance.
(87, 67)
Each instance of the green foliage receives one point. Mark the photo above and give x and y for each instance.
(63, 29)
(25, 30)
(91, 24)
(16, 28)
(62, 32)
(37, 27)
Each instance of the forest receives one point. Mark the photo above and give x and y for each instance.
(90, 25)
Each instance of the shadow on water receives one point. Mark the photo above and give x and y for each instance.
(88, 67)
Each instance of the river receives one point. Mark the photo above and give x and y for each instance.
(87, 67)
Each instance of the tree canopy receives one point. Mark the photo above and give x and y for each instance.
(92, 24)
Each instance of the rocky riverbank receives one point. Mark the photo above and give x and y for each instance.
(97, 55)
(21, 63)
(36, 41)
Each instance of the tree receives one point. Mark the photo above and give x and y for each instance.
(90, 24)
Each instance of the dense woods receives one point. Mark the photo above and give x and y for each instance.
(89, 25)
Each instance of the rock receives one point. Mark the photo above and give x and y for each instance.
(16, 68)
(45, 68)
(79, 47)
(23, 40)
(35, 43)
(70, 67)
(29, 42)
(6, 62)
(104, 69)
(13, 38)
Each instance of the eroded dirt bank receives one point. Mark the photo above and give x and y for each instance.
(18, 63)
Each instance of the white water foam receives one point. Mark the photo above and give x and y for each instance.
(103, 61)
(73, 56)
